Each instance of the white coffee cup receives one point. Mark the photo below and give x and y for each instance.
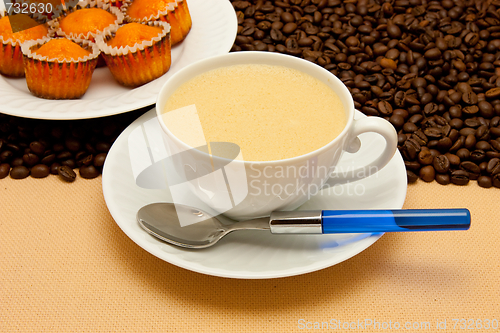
(248, 189)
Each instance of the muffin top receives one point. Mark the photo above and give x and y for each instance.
(36, 32)
(62, 49)
(85, 20)
(143, 9)
(132, 34)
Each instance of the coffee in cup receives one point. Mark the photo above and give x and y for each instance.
(271, 112)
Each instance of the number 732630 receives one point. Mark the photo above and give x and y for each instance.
(475, 324)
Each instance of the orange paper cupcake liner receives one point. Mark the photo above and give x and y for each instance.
(140, 64)
(184, 17)
(11, 56)
(55, 79)
(11, 59)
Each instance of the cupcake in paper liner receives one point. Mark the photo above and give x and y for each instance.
(175, 12)
(137, 53)
(11, 57)
(59, 68)
(87, 19)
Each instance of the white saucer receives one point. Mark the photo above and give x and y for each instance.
(259, 254)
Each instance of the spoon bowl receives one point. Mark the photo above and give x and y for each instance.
(162, 221)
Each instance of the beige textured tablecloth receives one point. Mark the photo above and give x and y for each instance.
(67, 267)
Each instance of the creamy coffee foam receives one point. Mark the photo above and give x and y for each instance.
(271, 112)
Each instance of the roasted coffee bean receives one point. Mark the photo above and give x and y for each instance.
(394, 31)
(460, 177)
(496, 180)
(482, 132)
(37, 148)
(485, 109)
(385, 108)
(397, 121)
(49, 159)
(72, 144)
(54, 167)
(483, 145)
(30, 159)
(289, 28)
(88, 171)
(412, 165)
(493, 93)
(411, 149)
(83, 158)
(472, 168)
(103, 147)
(485, 181)
(430, 109)
(410, 127)
(443, 178)
(463, 154)
(495, 145)
(427, 173)
(441, 164)
(433, 132)
(16, 162)
(470, 141)
(66, 173)
(19, 172)
(40, 171)
(99, 160)
(477, 155)
(4, 170)
(425, 156)
(65, 155)
(453, 159)
(411, 176)
(420, 137)
(444, 144)
(493, 166)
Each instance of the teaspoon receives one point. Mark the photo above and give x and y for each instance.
(161, 220)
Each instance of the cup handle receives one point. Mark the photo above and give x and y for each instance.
(364, 125)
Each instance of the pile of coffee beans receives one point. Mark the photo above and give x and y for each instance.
(431, 68)
(38, 148)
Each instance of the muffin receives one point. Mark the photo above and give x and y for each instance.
(137, 53)
(11, 57)
(175, 12)
(87, 20)
(59, 68)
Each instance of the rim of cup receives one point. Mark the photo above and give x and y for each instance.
(265, 58)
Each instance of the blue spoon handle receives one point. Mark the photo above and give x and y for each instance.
(360, 221)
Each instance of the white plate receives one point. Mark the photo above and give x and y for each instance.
(258, 254)
(213, 33)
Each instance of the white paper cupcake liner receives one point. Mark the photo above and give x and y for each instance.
(171, 7)
(29, 50)
(88, 4)
(102, 39)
